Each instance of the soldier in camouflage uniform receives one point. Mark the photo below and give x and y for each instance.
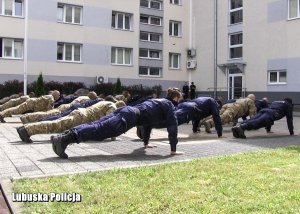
(6, 99)
(77, 117)
(33, 117)
(43, 103)
(15, 102)
(233, 111)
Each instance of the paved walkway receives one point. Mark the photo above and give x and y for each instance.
(19, 159)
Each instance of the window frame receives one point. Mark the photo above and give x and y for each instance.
(149, 54)
(234, 46)
(149, 71)
(173, 2)
(298, 11)
(14, 40)
(171, 61)
(277, 77)
(172, 23)
(149, 4)
(149, 20)
(64, 13)
(234, 10)
(73, 52)
(13, 12)
(149, 37)
(116, 14)
(123, 56)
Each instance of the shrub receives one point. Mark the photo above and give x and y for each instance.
(40, 88)
(11, 87)
(118, 87)
(103, 88)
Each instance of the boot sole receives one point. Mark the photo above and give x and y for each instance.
(57, 147)
(234, 133)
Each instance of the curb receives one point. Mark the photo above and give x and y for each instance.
(6, 187)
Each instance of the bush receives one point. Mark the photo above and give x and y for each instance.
(118, 87)
(11, 87)
(103, 88)
(143, 91)
(40, 88)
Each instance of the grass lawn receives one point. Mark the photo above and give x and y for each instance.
(259, 182)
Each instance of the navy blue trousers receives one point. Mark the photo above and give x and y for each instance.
(264, 118)
(113, 125)
(65, 113)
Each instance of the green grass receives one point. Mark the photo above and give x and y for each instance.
(260, 182)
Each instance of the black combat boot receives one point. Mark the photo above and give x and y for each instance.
(238, 131)
(60, 143)
(2, 119)
(24, 134)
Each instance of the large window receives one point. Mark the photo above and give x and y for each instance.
(151, 4)
(236, 46)
(174, 28)
(177, 2)
(11, 48)
(293, 9)
(150, 37)
(69, 13)
(121, 21)
(236, 11)
(149, 71)
(277, 77)
(150, 20)
(11, 7)
(121, 56)
(68, 52)
(150, 54)
(174, 60)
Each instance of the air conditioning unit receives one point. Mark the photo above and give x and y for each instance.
(191, 52)
(101, 79)
(191, 64)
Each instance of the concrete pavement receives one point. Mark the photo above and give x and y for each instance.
(19, 159)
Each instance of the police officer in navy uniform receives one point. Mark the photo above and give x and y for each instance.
(266, 117)
(185, 90)
(147, 114)
(198, 109)
(192, 91)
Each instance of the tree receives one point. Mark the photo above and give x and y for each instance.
(40, 88)
(118, 87)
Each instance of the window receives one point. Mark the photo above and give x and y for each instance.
(69, 13)
(150, 37)
(121, 21)
(151, 4)
(236, 46)
(236, 11)
(11, 48)
(293, 9)
(277, 77)
(149, 71)
(174, 28)
(151, 54)
(11, 7)
(121, 56)
(69, 52)
(151, 20)
(177, 2)
(174, 60)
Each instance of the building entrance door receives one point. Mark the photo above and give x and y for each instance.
(235, 84)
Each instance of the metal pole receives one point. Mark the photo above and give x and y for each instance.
(191, 35)
(215, 47)
(25, 45)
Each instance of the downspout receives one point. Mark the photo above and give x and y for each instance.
(25, 46)
(215, 47)
(191, 35)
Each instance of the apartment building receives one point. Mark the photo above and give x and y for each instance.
(94, 41)
(227, 47)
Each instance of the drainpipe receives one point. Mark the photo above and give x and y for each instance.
(191, 35)
(215, 47)
(25, 45)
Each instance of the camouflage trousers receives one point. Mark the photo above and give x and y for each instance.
(13, 102)
(227, 115)
(29, 105)
(35, 116)
(75, 118)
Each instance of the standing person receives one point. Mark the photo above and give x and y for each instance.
(192, 91)
(146, 114)
(185, 90)
(266, 117)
